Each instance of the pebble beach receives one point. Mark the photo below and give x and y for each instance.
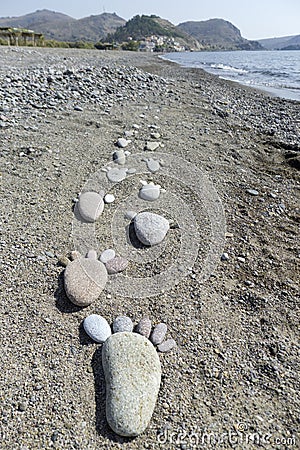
(234, 373)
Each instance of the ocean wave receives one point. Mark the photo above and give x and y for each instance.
(271, 73)
(227, 68)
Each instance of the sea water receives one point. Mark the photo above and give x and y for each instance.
(277, 72)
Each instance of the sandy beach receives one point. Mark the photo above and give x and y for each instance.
(233, 380)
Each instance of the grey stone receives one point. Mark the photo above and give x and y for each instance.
(122, 323)
(119, 157)
(253, 192)
(155, 135)
(97, 328)
(107, 255)
(49, 254)
(115, 175)
(166, 346)
(131, 171)
(122, 142)
(158, 334)
(132, 373)
(130, 215)
(144, 327)
(84, 280)
(92, 254)
(90, 206)
(116, 265)
(153, 165)
(224, 257)
(150, 228)
(149, 192)
(152, 146)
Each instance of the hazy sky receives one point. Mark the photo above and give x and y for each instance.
(255, 18)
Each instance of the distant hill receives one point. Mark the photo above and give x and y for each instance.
(61, 27)
(141, 27)
(218, 34)
(281, 43)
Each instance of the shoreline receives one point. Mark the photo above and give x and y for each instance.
(287, 93)
(237, 333)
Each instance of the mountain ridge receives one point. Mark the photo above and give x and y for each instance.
(281, 43)
(61, 27)
(218, 34)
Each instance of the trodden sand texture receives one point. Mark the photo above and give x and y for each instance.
(234, 312)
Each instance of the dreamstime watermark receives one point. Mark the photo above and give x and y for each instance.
(240, 435)
(182, 176)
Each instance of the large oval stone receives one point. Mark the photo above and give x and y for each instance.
(84, 280)
(132, 373)
(90, 206)
(150, 228)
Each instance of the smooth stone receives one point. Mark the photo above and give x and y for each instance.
(122, 142)
(97, 328)
(116, 265)
(158, 334)
(166, 346)
(92, 254)
(150, 228)
(115, 175)
(90, 206)
(144, 327)
(253, 192)
(130, 215)
(153, 165)
(224, 257)
(84, 280)
(132, 373)
(75, 255)
(107, 255)
(152, 146)
(131, 171)
(119, 157)
(109, 198)
(155, 135)
(63, 261)
(149, 192)
(129, 133)
(122, 323)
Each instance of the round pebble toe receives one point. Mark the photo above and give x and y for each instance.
(97, 328)
(144, 327)
(107, 255)
(116, 265)
(122, 323)
(166, 346)
(158, 334)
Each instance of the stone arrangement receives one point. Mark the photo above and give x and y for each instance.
(131, 365)
(132, 369)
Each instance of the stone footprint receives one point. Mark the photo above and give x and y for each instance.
(131, 368)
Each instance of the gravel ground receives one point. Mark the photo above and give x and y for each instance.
(233, 381)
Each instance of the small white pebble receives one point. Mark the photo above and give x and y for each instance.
(109, 198)
(107, 255)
